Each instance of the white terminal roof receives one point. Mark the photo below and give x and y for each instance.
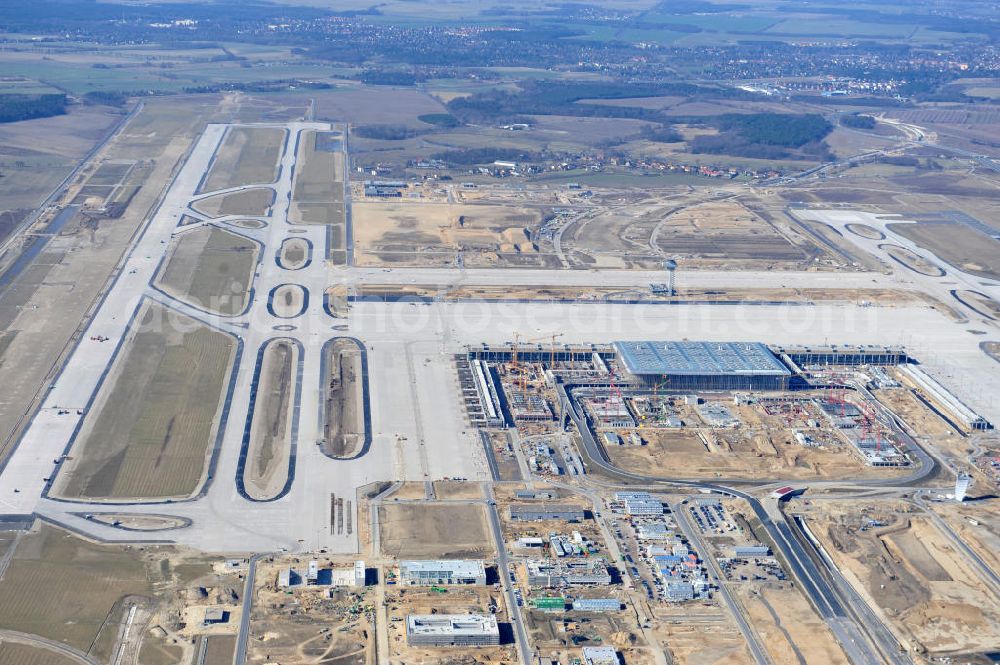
(699, 358)
(451, 624)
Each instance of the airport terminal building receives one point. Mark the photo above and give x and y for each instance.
(688, 365)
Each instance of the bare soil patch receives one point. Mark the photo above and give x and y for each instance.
(343, 412)
(271, 430)
(428, 530)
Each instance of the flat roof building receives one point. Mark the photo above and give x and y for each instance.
(600, 656)
(597, 605)
(427, 573)
(704, 365)
(528, 512)
(547, 573)
(444, 630)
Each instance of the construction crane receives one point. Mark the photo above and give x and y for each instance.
(552, 353)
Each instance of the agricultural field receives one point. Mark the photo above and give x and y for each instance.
(64, 588)
(247, 156)
(899, 560)
(429, 531)
(343, 411)
(210, 268)
(271, 430)
(35, 155)
(152, 427)
(254, 202)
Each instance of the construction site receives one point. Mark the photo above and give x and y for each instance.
(708, 410)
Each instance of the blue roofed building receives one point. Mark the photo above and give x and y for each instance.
(685, 365)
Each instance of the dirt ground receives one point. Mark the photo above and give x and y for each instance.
(151, 430)
(561, 636)
(210, 268)
(343, 425)
(253, 202)
(247, 156)
(865, 231)
(912, 261)
(294, 253)
(753, 451)
(964, 248)
(139, 521)
(913, 574)
(618, 294)
(288, 300)
(271, 430)
(413, 232)
(312, 624)
(977, 523)
(789, 628)
(699, 233)
(428, 530)
(700, 634)
(402, 601)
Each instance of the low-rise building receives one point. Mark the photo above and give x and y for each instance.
(426, 573)
(597, 605)
(600, 656)
(529, 512)
(568, 573)
(441, 630)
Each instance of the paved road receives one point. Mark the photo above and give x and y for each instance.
(823, 596)
(503, 570)
(749, 634)
(243, 636)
